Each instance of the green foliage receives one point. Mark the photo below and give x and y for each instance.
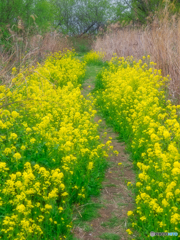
(110, 236)
(99, 82)
(82, 45)
(123, 12)
(26, 10)
(138, 11)
(90, 211)
(22, 17)
(112, 222)
(142, 9)
(82, 16)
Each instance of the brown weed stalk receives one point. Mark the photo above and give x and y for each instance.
(28, 49)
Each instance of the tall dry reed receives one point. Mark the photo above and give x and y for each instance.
(26, 50)
(160, 39)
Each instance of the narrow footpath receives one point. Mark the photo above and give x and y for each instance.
(110, 221)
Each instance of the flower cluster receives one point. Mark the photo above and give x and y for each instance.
(50, 153)
(135, 95)
(94, 57)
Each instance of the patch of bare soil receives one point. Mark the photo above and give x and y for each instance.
(115, 198)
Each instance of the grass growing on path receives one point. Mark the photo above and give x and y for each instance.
(110, 221)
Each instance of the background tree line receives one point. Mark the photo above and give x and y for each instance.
(73, 17)
(139, 10)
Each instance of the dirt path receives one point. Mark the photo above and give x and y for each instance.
(115, 199)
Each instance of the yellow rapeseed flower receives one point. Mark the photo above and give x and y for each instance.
(129, 231)
(17, 156)
(90, 166)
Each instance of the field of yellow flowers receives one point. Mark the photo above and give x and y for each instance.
(50, 153)
(132, 96)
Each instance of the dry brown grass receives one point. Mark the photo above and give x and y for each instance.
(160, 40)
(27, 50)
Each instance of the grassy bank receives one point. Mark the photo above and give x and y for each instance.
(131, 97)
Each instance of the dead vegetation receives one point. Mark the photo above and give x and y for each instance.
(160, 39)
(26, 49)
